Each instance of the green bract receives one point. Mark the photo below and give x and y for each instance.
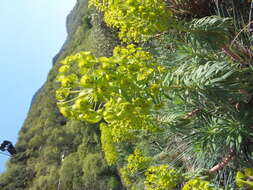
(136, 163)
(122, 90)
(111, 155)
(244, 179)
(161, 178)
(197, 184)
(134, 18)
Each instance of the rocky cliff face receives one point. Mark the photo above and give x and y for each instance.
(55, 153)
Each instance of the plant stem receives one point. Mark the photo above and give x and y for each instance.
(231, 54)
(224, 162)
(191, 114)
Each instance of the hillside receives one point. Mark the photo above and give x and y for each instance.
(47, 138)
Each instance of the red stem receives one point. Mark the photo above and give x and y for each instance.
(231, 54)
(224, 162)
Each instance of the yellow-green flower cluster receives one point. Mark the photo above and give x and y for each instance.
(244, 179)
(128, 79)
(197, 184)
(161, 177)
(121, 90)
(134, 18)
(136, 163)
(111, 155)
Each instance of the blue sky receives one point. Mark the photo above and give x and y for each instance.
(31, 33)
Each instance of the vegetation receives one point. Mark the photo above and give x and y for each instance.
(166, 107)
(134, 18)
(54, 152)
(193, 92)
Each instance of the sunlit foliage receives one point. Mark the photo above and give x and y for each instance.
(135, 18)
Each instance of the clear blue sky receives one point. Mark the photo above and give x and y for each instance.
(31, 33)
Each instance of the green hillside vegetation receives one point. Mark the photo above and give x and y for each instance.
(47, 138)
(144, 95)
